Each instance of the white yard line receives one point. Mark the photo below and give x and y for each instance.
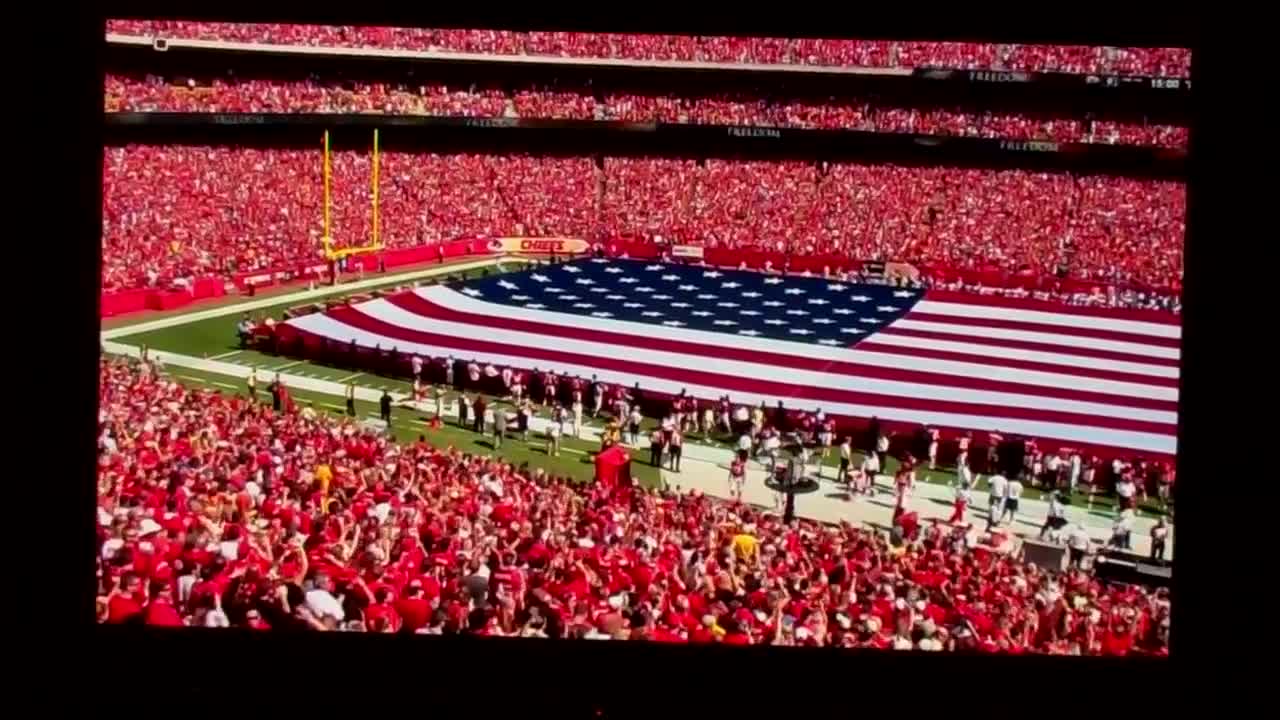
(299, 296)
(225, 355)
(348, 378)
(288, 365)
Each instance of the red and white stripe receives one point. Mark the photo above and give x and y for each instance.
(1073, 375)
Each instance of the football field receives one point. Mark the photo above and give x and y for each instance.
(199, 348)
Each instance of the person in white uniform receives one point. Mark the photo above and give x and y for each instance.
(996, 488)
(1056, 519)
(1012, 494)
(870, 468)
(1078, 544)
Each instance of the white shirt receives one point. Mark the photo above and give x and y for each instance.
(744, 442)
(1056, 509)
(1014, 489)
(185, 583)
(846, 451)
(322, 604)
(553, 430)
(1125, 489)
(1124, 523)
(998, 487)
(229, 549)
(1078, 539)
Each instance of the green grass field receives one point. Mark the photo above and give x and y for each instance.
(215, 338)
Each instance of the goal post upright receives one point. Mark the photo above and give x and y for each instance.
(327, 239)
(375, 243)
(376, 207)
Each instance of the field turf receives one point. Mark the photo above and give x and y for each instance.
(215, 338)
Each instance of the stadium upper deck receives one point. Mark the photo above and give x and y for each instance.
(1156, 62)
(319, 94)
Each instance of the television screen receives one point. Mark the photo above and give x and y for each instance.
(669, 338)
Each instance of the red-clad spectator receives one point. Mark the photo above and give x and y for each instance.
(175, 213)
(1169, 62)
(154, 94)
(125, 603)
(583, 561)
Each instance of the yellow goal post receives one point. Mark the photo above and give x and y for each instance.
(327, 239)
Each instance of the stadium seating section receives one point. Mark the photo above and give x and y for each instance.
(1158, 62)
(155, 94)
(307, 509)
(175, 212)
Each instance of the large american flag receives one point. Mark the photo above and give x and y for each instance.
(1072, 375)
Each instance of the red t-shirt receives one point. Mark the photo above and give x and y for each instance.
(383, 610)
(881, 640)
(1118, 644)
(162, 614)
(414, 611)
(121, 608)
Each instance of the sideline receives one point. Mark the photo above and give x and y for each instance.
(300, 296)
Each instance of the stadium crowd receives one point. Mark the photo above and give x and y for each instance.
(218, 511)
(173, 212)
(155, 94)
(1158, 62)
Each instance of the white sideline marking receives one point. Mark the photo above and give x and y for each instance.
(289, 365)
(222, 384)
(348, 378)
(225, 355)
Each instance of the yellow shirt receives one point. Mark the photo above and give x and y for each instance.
(745, 545)
(324, 475)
